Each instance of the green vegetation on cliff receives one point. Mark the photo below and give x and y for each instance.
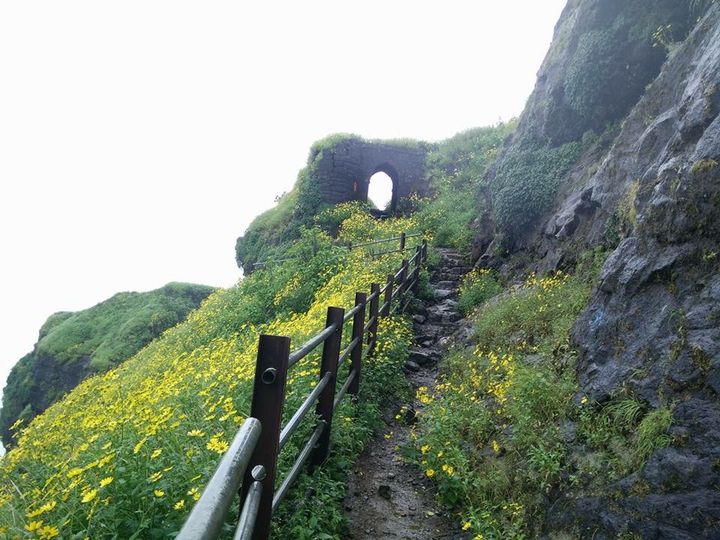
(73, 345)
(457, 168)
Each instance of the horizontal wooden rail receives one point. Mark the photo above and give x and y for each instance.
(254, 451)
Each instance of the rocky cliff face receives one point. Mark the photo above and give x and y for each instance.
(648, 191)
(73, 346)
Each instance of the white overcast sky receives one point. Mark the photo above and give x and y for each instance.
(138, 139)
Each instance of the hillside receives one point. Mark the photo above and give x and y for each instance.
(569, 391)
(72, 346)
(589, 395)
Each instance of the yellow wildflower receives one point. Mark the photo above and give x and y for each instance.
(89, 495)
(47, 532)
(430, 473)
(159, 493)
(466, 525)
(75, 471)
(179, 505)
(154, 477)
(44, 508)
(106, 481)
(33, 526)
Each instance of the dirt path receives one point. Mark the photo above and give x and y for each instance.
(388, 498)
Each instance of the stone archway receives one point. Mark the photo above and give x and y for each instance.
(390, 173)
(343, 170)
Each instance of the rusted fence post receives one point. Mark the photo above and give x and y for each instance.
(329, 363)
(357, 333)
(374, 316)
(387, 301)
(267, 404)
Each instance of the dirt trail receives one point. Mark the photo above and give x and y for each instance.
(388, 498)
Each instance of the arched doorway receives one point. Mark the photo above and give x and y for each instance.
(381, 191)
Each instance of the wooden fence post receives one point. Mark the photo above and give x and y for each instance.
(403, 281)
(374, 315)
(329, 363)
(424, 250)
(387, 301)
(416, 272)
(357, 333)
(402, 241)
(267, 404)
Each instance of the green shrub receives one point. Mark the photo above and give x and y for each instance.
(526, 184)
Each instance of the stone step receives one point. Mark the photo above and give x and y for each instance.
(447, 284)
(456, 270)
(455, 262)
(444, 312)
(441, 294)
(444, 276)
(424, 357)
(428, 331)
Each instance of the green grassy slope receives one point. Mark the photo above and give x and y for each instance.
(127, 452)
(73, 345)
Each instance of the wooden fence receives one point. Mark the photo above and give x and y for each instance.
(249, 465)
(350, 246)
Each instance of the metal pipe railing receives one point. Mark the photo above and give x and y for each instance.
(297, 466)
(260, 439)
(370, 322)
(349, 349)
(294, 422)
(208, 515)
(350, 314)
(246, 523)
(384, 240)
(310, 345)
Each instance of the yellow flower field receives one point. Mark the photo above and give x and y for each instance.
(129, 451)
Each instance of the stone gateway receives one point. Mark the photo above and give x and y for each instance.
(343, 171)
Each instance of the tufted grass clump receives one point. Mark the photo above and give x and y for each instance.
(477, 287)
(621, 434)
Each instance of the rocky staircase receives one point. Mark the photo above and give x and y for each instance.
(388, 498)
(438, 321)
